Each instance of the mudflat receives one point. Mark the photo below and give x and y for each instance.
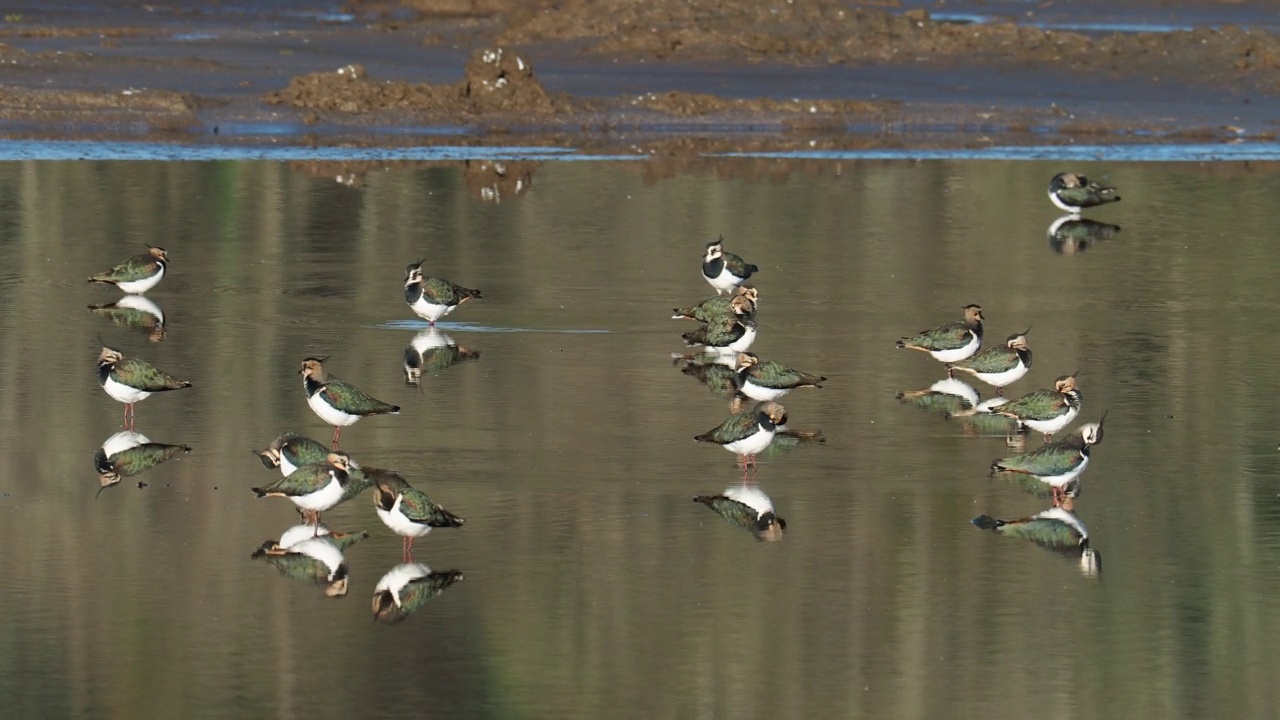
(690, 75)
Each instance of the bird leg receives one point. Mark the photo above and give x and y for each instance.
(999, 392)
(406, 549)
(1048, 437)
(951, 372)
(337, 430)
(128, 417)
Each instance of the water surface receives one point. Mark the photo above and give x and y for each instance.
(592, 584)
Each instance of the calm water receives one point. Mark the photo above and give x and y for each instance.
(593, 586)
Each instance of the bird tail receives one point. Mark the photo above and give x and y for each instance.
(704, 499)
(468, 294)
(986, 522)
(260, 492)
(447, 519)
(752, 268)
(704, 437)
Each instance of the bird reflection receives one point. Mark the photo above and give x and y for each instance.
(135, 312)
(1071, 234)
(311, 553)
(714, 370)
(406, 588)
(747, 507)
(128, 453)
(432, 351)
(1058, 529)
(949, 396)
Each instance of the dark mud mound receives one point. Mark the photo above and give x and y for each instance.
(498, 81)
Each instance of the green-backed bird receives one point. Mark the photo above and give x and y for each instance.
(952, 342)
(1054, 466)
(1073, 193)
(768, 380)
(431, 297)
(718, 306)
(337, 402)
(137, 274)
(130, 380)
(999, 366)
(723, 270)
(407, 510)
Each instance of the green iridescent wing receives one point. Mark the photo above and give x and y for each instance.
(1038, 405)
(303, 481)
(418, 507)
(738, 266)
(737, 427)
(1049, 460)
(353, 400)
(346, 540)
(301, 450)
(144, 376)
(1092, 194)
(776, 376)
(138, 267)
(357, 482)
(720, 331)
(991, 360)
(442, 292)
(708, 309)
(948, 337)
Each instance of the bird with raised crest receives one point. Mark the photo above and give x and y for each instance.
(130, 380)
(431, 298)
(723, 270)
(313, 488)
(1053, 466)
(1073, 193)
(136, 274)
(407, 510)
(747, 507)
(727, 334)
(747, 433)
(999, 366)
(718, 306)
(769, 380)
(952, 342)
(1046, 411)
(337, 402)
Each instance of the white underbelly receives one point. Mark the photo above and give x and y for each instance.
(751, 445)
(958, 354)
(328, 413)
(122, 392)
(141, 286)
(756, 392)
(1003, 379)
(1050, 427)
(429, 310)
(322, 499)
(400, 524)
(725, 281)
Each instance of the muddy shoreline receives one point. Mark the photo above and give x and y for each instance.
(672, 77)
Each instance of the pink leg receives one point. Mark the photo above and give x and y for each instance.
(1048, 437)
(337, 430)
(999, 392)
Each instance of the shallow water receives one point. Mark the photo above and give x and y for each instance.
(592, 584)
